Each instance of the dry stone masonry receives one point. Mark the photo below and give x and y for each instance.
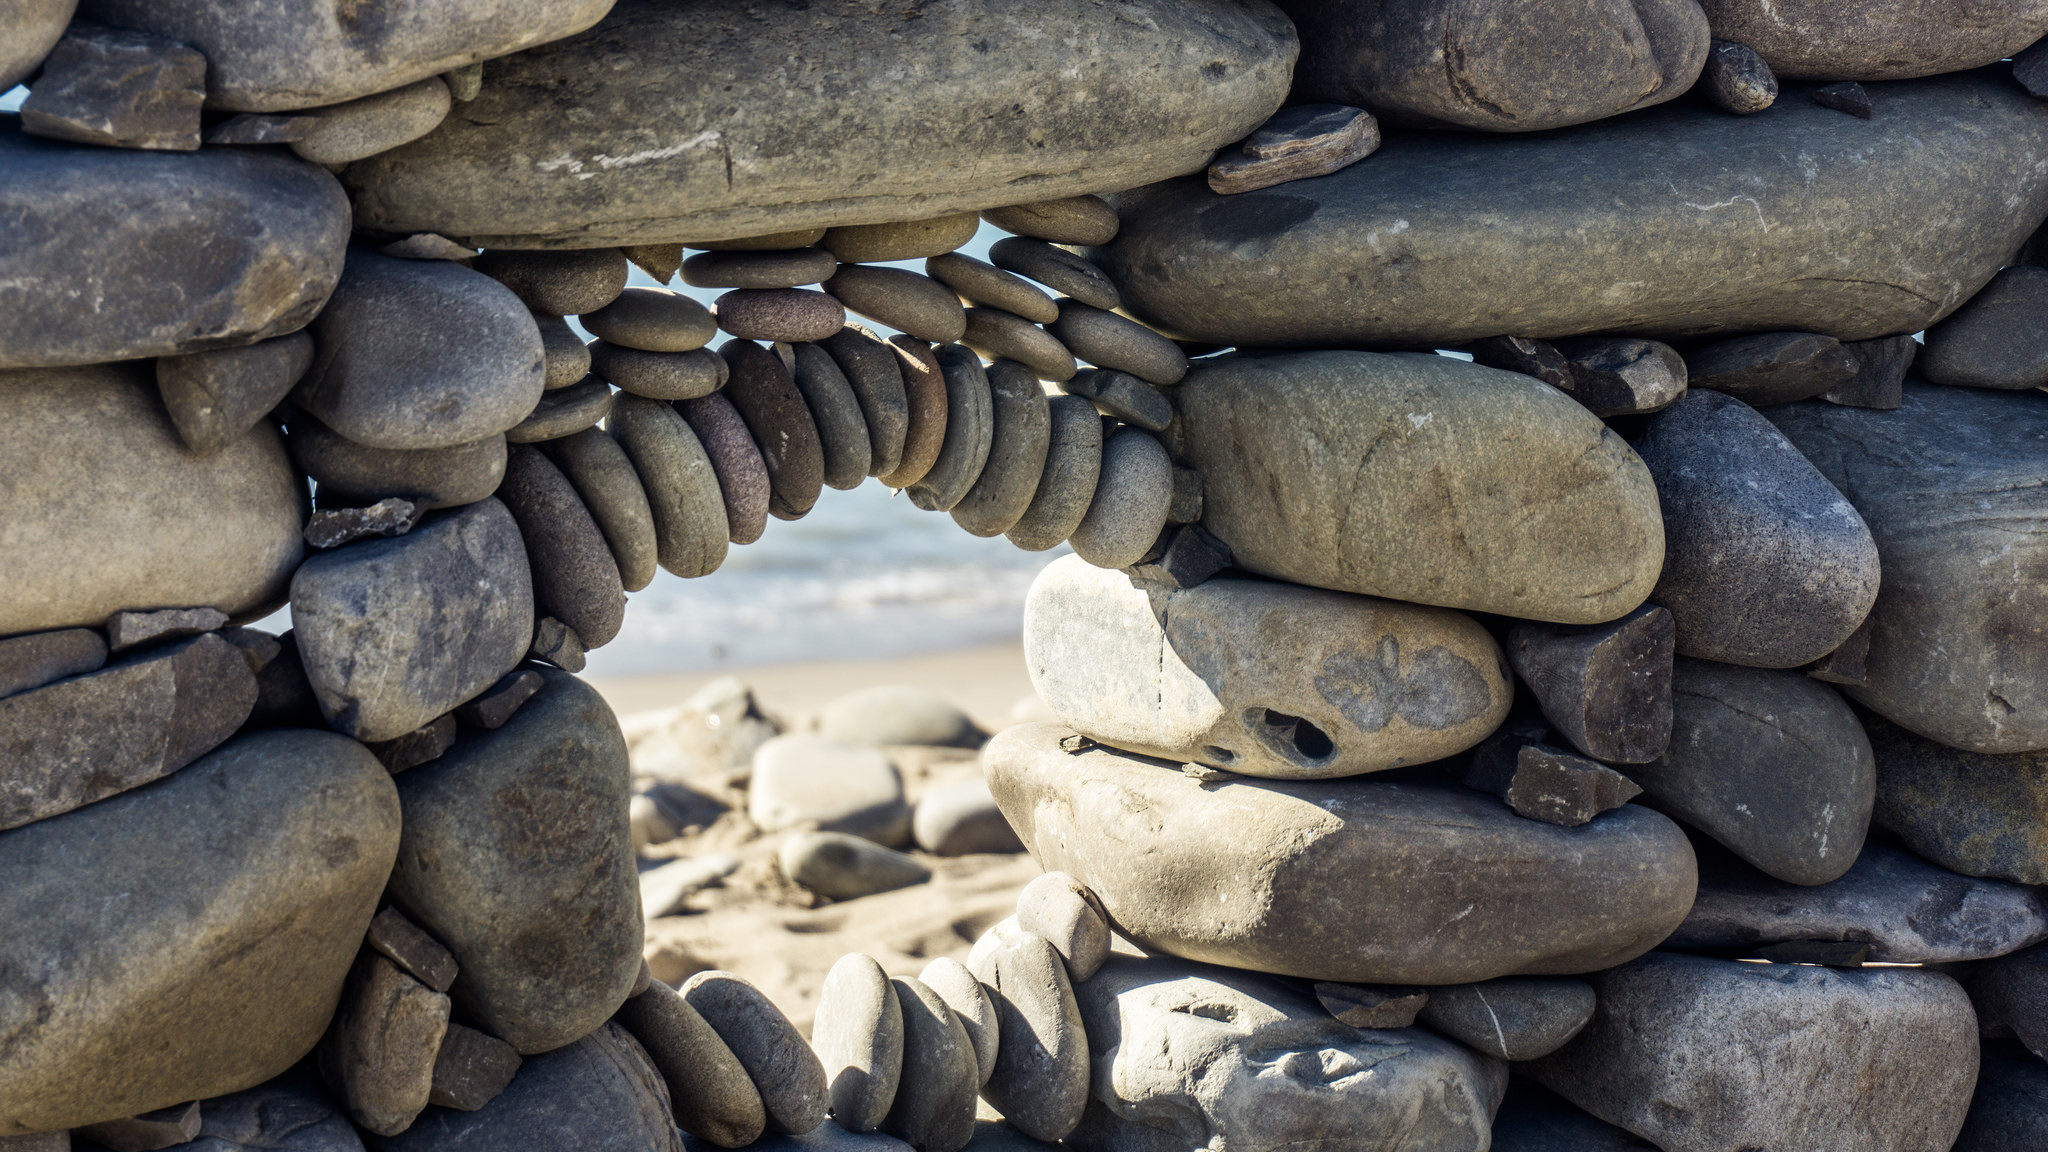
(1554, 656)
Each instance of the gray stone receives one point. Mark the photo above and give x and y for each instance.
(1061, 911)
(2030, 69)
(1906, 910)
(1057, 269)
(1515, 1018)
(870, 367)
(1002, 335)
(891, 714)
(264, 862)
(986, 284)
(901, 239)
(1439, 884)
(901, 299)
(33, 28)
(1994, 340)
(1191, 557)
(736, 460)
(1382, 463)
(970, 431)
(421, 354)
(568, 283)
(516, 856)
(418, 246)
(2007, 994)
(972, 1006)
(1714, 1054)
(1298, 143)
(1123, 396)
(664, 888)
(682, 491)
(2009, 1108)
(289, 1114)
(611, 491)
(148, 1132)
(574, 577)
(1885, 40)
(659, 375)
(1239, 1062)
(777, 1059)
(395, 632)
(284, 697)
(118, 88)
(1980, 814)
(1765, 563)
(39, 658)
(1612, 376)
(712, 1096)
(774, 410)
(379, 1054)
(564, 412)
(1738, 80)
(933, 1110)
(1072, 220)
(100, 250)
(1107, 340)
(1496, 67)
(214, 397)
(500, 701)
(779, 314)
(1880, 378)
(83, 739)
(343, 133)
(1772, 764)
(1065, 489)
(924, 389)
(786, 268)
(824, 781)
(1377, 1006)
(653, 320)
(127, 630)
(824, 1138)
(350, 474)
(859, 1038)
(1605, 687)
(471, 1069)
(417, 747)
(1847, 96)
(598, 1094)
(558, 644)
(836, 409)
(1772, 367)
(409, 947)
(1040, 1080)
(1132, 494)
(1259, 678)
(1533, 1119)
(565, 359)
(1543, 783)
(962, 820)
(1629, 225)
(1947, 485)
(842, 867)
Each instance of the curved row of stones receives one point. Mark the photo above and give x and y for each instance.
(1767, 570)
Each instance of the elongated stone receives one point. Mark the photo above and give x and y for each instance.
(775, 413)
(1001, 335)
(653, 320)
(1056, 268)
(972, 1005)
(924, 389)
(352, 474)
(736, 461)
(905, 239)
(778, 1060)
(660, 375)
(343, 133)
(600, 1093)
(1884, 40)
(1772, 367)
(1513, 1018)
(970, 429)
(787, 268)
(708, 1088)
(37, 659)
(1019, 439)
(690, 528)
(902, 299)
(1040, 1079)
(1132, 496)
(611, 490)
(564, 412)
(870, 367)
(989, 285)
(379, 1055)
(574, 577)
(835, 408)
(1066, 487)
(934, 1106)
(1994, 340)
(859, 1038)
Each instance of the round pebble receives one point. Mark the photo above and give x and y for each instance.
(1056, 268)
(990, 285)
(1107, 340)
(842, 866)
(790, 315)
(1073, 464)
(934, 1108)
(971, 1006)
(902, 299)
(742, 476)
(924, 389)
(870, 367)
(575, 579)
(1041, 1078)
(659, 375)
(796, 238)
(858, 1034)
(842, 428)
(780, 421)
(1019, 437)
(355, 475)
(1073, 220)
(564, 411)
(565, 358)
(782, 1066)
(558, 283)
(1001, 335)
(1131, 499)
(969, 424)
(909, 240)
(604, 477)
(1061, 911)
(709, 1090)
(653, 320)
(682, 490)
(790, 268)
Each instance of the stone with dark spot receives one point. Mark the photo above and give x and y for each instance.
(1877, 39)
(575, 579)
(355, 475)
(600, 1093)
(870, 367)
(1605, 687)
(214, 397)
(775, 413)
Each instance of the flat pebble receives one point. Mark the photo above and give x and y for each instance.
(1072, 220)
(972, 1006)
(987, 284)
(910, 240)
(901, 299)
(858, 1035)
(1107, 340)
(1040, 1083)
(1772, 367)
(961, 820)
(924, 391)
(1073, 467)
(783, 314)
(969, 425)
(565, 358)
(1019, 439)
(575, 579)
(934, 1108)
(1056, 268)
(1131, 498)
(870, 367)
(767, 242)
(659, 375)
(351, 474)
(214, 397)
(558, 283)
(789, 268)
(342, 133)
(1297, 143)
(742, 476)
(682, 490)
(711, 1093)
(782, 1066)
(1123, 396)
(37, 659)
(564, 412)
(653, 320)
(1003, 335)
(775, 412)
(604, 477)
(1061, 910)
(1514, 1017)
(842, 867)
(836, 409)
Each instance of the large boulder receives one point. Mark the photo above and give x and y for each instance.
(1497, 65)
(1877, 39)
(1421, 478)
(1679, 221)
(107, 511)
(518, 857)
(1353, 880)
(1977, 813)
(1261, 678)
(288, 54)
(188, 938)
(600, 1094)
(1720, 1055)
(117, 253)
(1950, 485)
(711, 121)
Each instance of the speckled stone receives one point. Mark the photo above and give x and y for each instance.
(653, 320)
(565, 358)
(742, 476)
(1073, 220)
(690, 528)
(859, 1037)
(1057, 269)
(1107, 340)
(786, 268)
(214, 397)
(779, 314)
(775, 413)
(659, 375)
(1066, 487)
(924, 389)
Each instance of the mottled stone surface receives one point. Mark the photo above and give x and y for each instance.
(1877, 39)
(1606, 688)
(120, 89)
(1977, 813)
(288, 1114)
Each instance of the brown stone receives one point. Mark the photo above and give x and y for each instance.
(575, 579)
(907, 240)
(120, 89)
(408, 946)
(901, 299)
(379, 1056)
(736, 459)
(1300, 142)
(784, 314)
(422, 745)
(1073, 220)
(924, 390)
(1002, 335)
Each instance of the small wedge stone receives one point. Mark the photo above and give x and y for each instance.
(1548, 785)
(407, 945)
(500, 702)
(471, 1068)
(1880, 379)
(1297, 143)
(1606, 687)
(119, 89)
(659, 261)
(558, 644)
(214, 397)
(1847, 96)
(333, 527)
(379, 1056)
(1189, 559)
(420, 746)
(1372, 1005)
(1772, 367)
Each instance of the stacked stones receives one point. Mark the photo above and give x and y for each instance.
(1625, 410)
